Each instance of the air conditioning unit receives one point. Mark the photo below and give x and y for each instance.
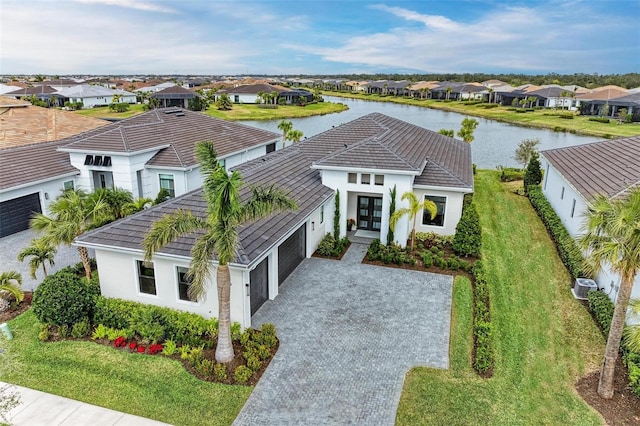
(582, 287)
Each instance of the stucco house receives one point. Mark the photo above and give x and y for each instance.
(575, 175)
(362, 159)
(142, 154)
(95, 96)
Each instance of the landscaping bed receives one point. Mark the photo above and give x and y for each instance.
(17, 309)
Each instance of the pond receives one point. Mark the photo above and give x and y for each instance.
(494, 144)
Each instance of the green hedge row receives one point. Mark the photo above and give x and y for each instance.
(567, 248)
(468, 237)
(482, 325)
(602, 308)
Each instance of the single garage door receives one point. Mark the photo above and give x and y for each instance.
(291, 252)
(259, 282)
(15, 214)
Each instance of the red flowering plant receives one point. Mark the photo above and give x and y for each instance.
(132, 345)
(120, 342)
(141, 349)
(154, 349)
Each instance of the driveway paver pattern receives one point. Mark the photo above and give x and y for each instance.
(349, 332)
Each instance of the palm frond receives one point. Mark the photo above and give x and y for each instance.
(10, 282)
(170, 228)
(265, 200)
(200, 269)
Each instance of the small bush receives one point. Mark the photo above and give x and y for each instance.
(169, 348)
(81, 329)
(467, 240)
(599, 119)
(510, 174)
(242, 374)
(325, 248)
(146, 322)
(64, 298)
(44, 334)
(64, 331)
(205, 367)
(220, 372)
(254, 364)
(100, 332)
(602, 308)
(427, 259)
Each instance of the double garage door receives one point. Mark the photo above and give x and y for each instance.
(290, 253)
(15, 214)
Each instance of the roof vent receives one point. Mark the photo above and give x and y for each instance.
(180, 114)
(172, 110)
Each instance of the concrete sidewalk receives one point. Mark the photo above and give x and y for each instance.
(38, 408)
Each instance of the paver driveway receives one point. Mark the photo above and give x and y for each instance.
(348, 333)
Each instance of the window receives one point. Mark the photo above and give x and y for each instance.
(271, 147)
(322, 213)
(365, 179)
(88, 160)
(223, 163)
(97, 160)
(562, 194)
(183, 284)
(546, 175)
(441, 203)
(146, 278)
(379, 180)
(573, 208)
(68, 185)
(107, 161)
(166, 182)
(352, 178)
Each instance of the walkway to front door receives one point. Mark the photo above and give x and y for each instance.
(348, 333)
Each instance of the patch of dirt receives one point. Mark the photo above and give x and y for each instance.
(15, 309)
(623, 409)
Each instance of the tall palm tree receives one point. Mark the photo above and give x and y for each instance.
(226, 212)
(10, 282)
(612, 236)
(72, 214)
(41, 251)
(468, 126)
(415, 206)
(137, 205)
(286, 127)
(295, 135)
(116, 198)
(632, 332)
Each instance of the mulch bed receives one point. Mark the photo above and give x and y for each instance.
(14, 311)
(316, 254)
(623, 409)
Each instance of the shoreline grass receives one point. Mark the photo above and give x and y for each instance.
(536, 119)
(545, 340)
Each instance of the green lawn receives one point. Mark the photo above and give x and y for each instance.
(537, 118)
(239, 111)
(545, 340)
(144, 385)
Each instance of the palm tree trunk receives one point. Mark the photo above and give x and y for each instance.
(44, 269)
(84, 257)
(605, 385)
(224, 350)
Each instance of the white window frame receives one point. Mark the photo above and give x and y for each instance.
(173, 179)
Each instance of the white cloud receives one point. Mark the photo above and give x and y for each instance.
(131, 4)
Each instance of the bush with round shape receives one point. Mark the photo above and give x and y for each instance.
(64, 299)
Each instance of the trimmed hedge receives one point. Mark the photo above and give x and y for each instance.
(565, 245)
(468, 238)
(64, 299)
(482, 325)
(510, 174)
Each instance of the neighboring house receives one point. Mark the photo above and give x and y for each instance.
(95, 96)
(605, 93)
(630, 102)
(157, 87)
(363, 159)
(141, 154)
(575, 175)
(248, 93)
(44, 93)
(174, 96)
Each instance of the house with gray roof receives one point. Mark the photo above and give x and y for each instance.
(362, 160)
(576, 175)
(94, 96)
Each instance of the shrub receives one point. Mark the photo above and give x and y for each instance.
(81, 329)
(533, 174)
(220, 371)
(64, 331)
(205, 367)
(599, 119)
(468, 237)
(147, 323)
(169, 348)
(100, 332)
(64, 298)
(567, 248)
(602, 308)
(373, 252)
(510, 174)
(242, 374)
(44, 334)
(325, 248)
(427, 259)
(253, 363)
(482, 326)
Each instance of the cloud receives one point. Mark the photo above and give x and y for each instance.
(131, 4)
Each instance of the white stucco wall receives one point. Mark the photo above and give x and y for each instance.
(119, 279)
(452, 212)
(243, 98)
(48, 191)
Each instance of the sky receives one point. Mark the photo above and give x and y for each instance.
(76, 37)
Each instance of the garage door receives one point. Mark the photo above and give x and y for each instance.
(291, 253)
(15, 214)
(259, 282)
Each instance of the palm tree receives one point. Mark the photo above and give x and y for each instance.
(415, 206)
(490, 90)
(72, 214)
(226, 212)
(449, 90)
(295, 135)
(10, 282)
(468, 126)
(41, 251)
(286, 127)
(137, 205)
(632, 332)
(612, 236)
(116, 198)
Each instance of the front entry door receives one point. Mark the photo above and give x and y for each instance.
(369, 213)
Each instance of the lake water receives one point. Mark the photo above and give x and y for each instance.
(494, 144)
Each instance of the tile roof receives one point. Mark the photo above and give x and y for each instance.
(23, 125)
(608, 167)
(86, 90)
(35, 90)
(603, 93)
(173, 92)
(170, 127)
(632, 99)
(290, 169)
(251, 89)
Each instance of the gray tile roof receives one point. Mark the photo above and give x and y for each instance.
(290, 169)
(608, 168)
(174, 128)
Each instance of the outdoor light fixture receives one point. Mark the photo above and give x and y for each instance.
(313, 226)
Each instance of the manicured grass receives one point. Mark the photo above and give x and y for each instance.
(537, 118)
(253, 112)
(144, 385)
(545, 340)
(104, 112)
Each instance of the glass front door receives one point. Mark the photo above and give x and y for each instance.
(369, 213)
